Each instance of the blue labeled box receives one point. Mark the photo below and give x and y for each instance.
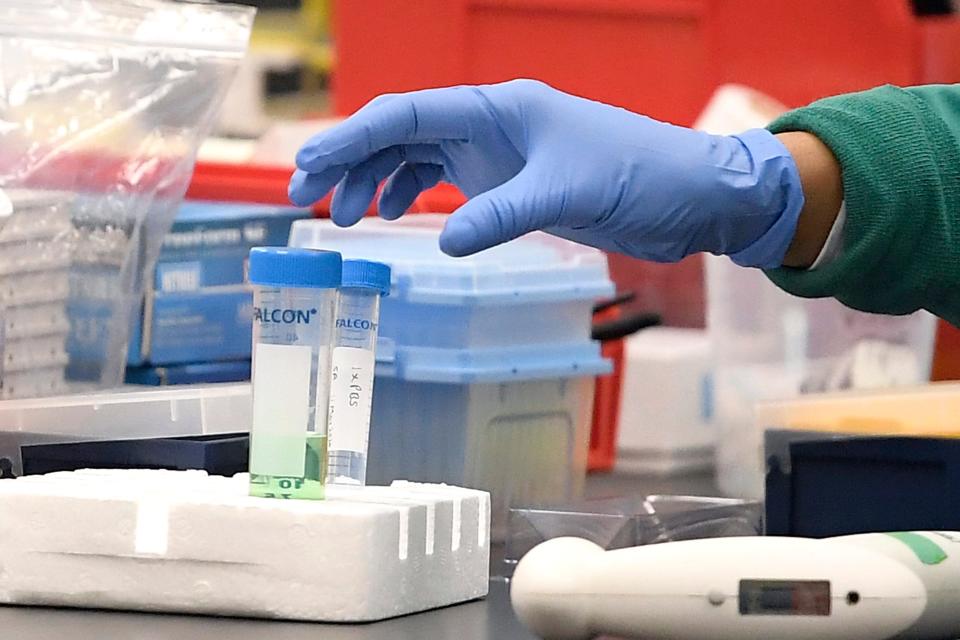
(209, 243)
(197, 307)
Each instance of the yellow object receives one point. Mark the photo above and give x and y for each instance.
(931, 410)
(304, 34)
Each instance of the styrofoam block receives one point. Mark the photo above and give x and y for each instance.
(186, 542)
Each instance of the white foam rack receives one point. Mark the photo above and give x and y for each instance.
(187, 542)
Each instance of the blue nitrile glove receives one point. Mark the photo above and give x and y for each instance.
(530, 157)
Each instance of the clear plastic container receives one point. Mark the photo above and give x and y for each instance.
(536, 290)
(353, 365)
(294, 302)
(524, 441)
(665, 403)
(125, 413)
(769, 345)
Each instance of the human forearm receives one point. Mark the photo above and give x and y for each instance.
(823, 195)
(899, 154)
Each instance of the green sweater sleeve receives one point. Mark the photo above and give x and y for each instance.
(899, 151)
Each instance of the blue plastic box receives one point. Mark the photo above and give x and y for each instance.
(199, 326)
(197, 307)
(485, 366)
(208, 244)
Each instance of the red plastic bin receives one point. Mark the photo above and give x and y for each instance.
(228, 182)
(659, 57)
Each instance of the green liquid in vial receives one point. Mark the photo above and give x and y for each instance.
(308, 487)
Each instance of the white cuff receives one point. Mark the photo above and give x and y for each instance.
(833, 247)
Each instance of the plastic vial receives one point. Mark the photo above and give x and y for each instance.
(294, 303)
(353, 363)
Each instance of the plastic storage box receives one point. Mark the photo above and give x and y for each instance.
(485, 367)
(769, 345)
(666, 404)
(187, 411)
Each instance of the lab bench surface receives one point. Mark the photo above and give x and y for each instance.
(489, 619)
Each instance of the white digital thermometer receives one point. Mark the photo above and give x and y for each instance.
(870, 586)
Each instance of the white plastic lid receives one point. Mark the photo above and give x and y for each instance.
(536, 267)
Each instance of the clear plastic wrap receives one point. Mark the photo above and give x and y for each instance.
(630, 521)
(103, 104)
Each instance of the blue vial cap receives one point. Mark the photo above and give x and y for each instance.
(287, 267)
(366, 274)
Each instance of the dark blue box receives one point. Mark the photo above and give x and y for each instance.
(225, 454)
(820, 485)
(200, 373)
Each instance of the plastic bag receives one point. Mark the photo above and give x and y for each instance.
(103, 104)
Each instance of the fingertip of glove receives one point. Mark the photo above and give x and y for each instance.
(342, 218)
(458, 238)
(295, 190)
(305, 156)
(390, 212)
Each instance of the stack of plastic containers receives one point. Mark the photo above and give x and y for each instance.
(35, 258)
(485, 367)
(769, 345)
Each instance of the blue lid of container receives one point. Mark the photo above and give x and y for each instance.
(366, 274)
(285, 267)
(537, 267)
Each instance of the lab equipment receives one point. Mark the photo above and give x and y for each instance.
(485, 367)
(198, 305)
(154, 540)
(221, 455)
(294, 303)
(352, 369)
(666, 403)
(830, 484)
(129, 412)
(617, 523)
(771, 346)
(530, 163)
(865, 587)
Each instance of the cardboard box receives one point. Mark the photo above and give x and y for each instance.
(197, 307)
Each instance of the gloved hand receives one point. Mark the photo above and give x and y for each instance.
(530, 157)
